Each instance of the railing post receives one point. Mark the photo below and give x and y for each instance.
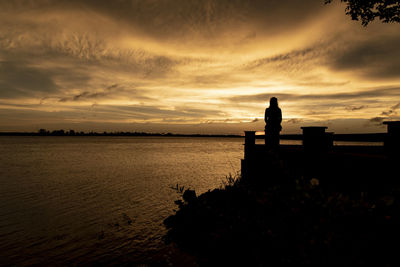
(315, 140)
(249, 143)
(392, 140)
(249, 148)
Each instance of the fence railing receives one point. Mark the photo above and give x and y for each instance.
(316, 139)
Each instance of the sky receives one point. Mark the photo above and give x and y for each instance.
(194, 66)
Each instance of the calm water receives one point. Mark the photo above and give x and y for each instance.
(100, 200)
(88, 200)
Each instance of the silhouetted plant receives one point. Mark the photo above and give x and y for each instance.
(181, 191)
(231, 180)
(178, 188)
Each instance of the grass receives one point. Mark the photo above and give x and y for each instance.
(231, 180)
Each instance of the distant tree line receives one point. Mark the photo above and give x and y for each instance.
(366, 137)
(44, 132)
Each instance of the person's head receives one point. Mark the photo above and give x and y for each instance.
(273, 102)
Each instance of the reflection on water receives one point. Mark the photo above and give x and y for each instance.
(86, 200)
(68, 200)
(347, 143)
(335, 143)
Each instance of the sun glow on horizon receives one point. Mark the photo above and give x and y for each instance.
(115, 67)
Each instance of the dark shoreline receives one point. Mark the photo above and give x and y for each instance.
(337, 209)
(68, 133)
(367, 137)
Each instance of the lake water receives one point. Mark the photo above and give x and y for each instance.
(100, 200)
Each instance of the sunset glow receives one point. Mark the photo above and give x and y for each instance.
(194, 66)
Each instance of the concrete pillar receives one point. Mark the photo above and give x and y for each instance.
(249, 150)
(249, 143)
(315, 140)
(392, 140)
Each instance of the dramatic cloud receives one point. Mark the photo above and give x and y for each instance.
(392, 111)
(364, 94)
(377, 57)
(353, 108)
(377, 120)
(193, 65)
(17, 79)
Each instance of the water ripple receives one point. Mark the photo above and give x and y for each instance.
(100, 200)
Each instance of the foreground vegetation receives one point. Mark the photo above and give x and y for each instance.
(286, 219)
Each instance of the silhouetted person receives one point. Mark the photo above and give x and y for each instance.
(273, 119)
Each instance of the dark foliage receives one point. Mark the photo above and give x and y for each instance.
(367, 10)
(296, 221)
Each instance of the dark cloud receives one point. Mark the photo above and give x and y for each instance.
(354, 108)
(291, 56)
(29, 79)
(83, 96)
(378, 92)
(396, 106)
(83, 50)
(377, 120)
(6, 105)
(207, 17)
(392, 111)
(17, 79)
(169, 18)
(376, 57)
(388, 113)
(294, 121)
(86, 95)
